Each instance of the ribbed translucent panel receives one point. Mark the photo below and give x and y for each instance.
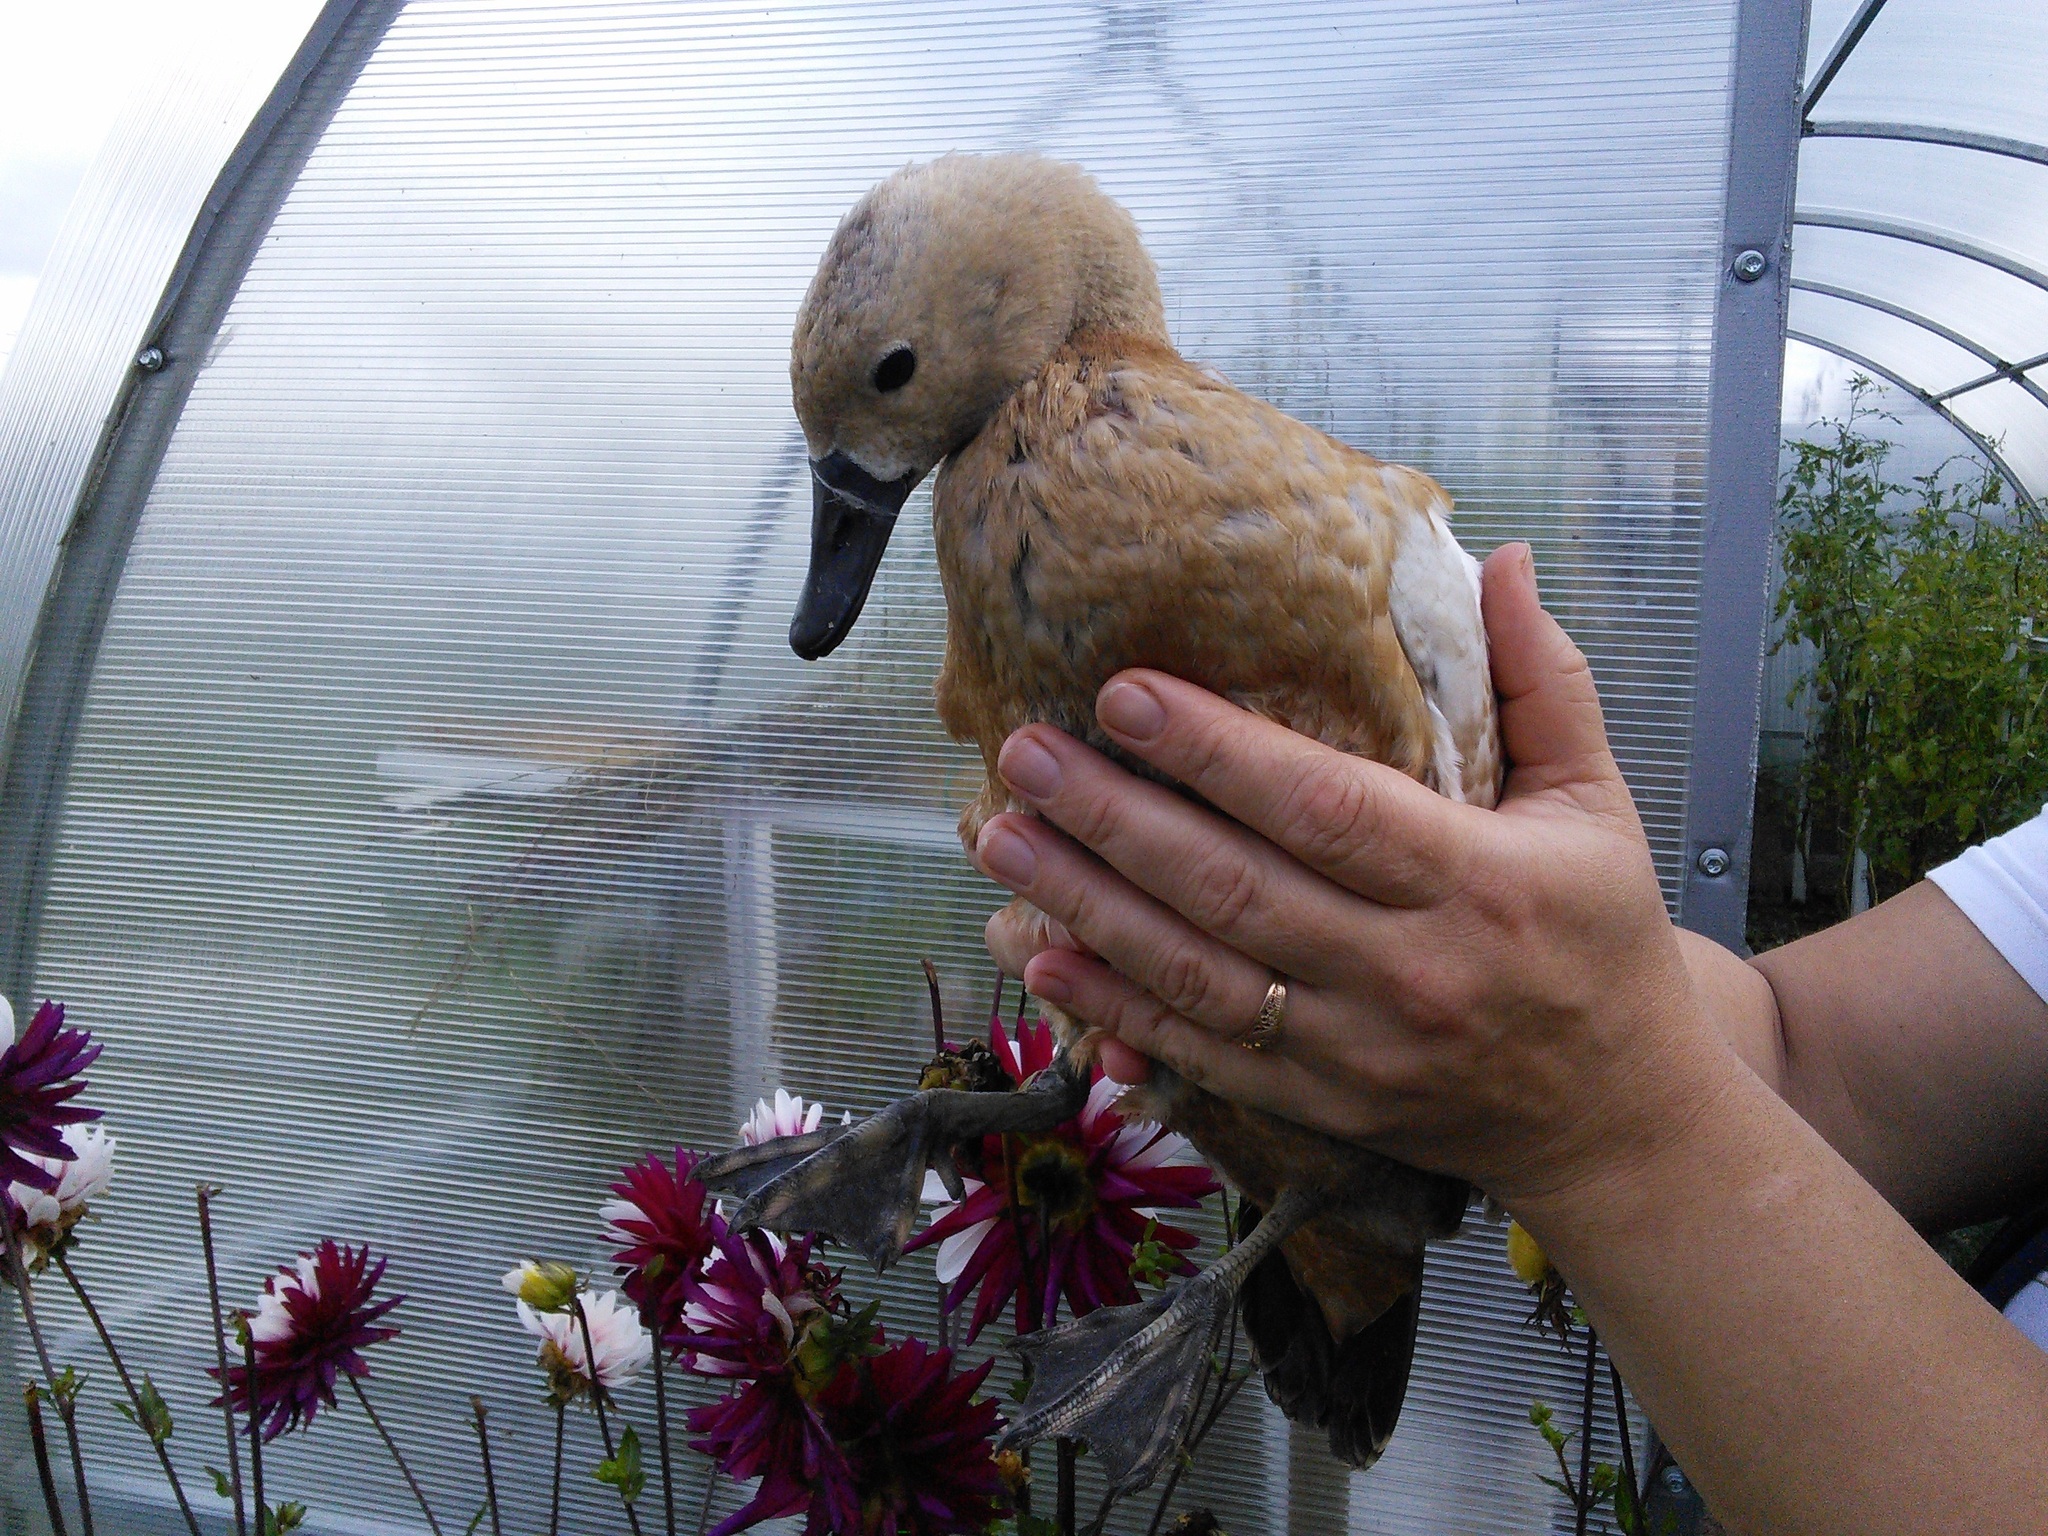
(1899, 346)
(451, 822)
(1995, 309)
(1966, 64)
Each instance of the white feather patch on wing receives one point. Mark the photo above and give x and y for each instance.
(1433, 599)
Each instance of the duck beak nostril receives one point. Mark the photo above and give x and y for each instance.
(852, 516)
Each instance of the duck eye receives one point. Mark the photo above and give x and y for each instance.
(894, 371)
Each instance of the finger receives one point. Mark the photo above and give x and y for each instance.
(1120, 1063)
(1224, 880)
(1551, 724)
(1019, 931)
(1370, 828)
(1199, 977)
(1101, 997)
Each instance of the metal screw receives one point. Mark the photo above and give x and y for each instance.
(1713, 862)
(1749, 266)
(1674, 1482)
(150, 359)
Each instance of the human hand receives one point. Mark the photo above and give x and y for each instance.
(1495, 994)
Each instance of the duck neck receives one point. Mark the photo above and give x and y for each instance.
(1117, 287)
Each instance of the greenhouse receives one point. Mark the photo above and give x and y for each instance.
(407, 776)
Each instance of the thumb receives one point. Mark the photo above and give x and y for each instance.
(1550, 721)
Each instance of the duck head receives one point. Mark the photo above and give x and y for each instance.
(943, 290)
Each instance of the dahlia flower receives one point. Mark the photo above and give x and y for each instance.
(755, 1305)
(1085, 1191)
(787, 1116)
(664, 1226)
(916, 1442)
(313, 1319)
(38, 1073)
(45, 1218)
(893, 1444)
(621, 1345)
(768, 1429)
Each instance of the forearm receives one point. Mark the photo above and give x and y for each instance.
(1907, 1042)
(1809, 1360)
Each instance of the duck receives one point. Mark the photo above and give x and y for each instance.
(1102, 502)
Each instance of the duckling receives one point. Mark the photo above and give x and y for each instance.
(1103, 503)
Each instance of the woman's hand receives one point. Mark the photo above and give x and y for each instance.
(1496, 994)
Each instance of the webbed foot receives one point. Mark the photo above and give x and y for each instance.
(859, 1185)
(1124, 1378)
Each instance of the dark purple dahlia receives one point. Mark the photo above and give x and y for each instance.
(664, 1224)
(916, 1442)
(770, 1430)
(38, 1074)
(312, 1322)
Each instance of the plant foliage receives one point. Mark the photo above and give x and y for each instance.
(1923, 602)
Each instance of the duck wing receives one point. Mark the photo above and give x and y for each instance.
(1127, 508)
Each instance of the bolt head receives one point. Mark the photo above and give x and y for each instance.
(1713, 862)
(150, 359)
(1674, 1482)
(1750, 265)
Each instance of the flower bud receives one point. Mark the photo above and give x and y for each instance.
(1526, 1256)
(544, 1286)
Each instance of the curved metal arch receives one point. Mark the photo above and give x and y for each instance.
(2000, 368)
(1916, 133)
(1920, 234)
(229, 227)
(1976, 439)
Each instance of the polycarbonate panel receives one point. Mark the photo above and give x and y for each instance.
(1909, 350)
(1991, 201)
(450, 822)
(2013, 421)
(1964, 64)
(2004, 314)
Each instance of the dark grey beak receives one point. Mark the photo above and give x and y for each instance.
(852, 515)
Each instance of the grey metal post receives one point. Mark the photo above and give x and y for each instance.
(1746, 379)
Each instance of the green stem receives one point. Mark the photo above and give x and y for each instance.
(597, 1397)
(391, 1445)
(42, 1448)
(205, 1193)
(67, 1411)
(704, 1510)
(555, 1494)
(668, 1492)
(483, 1446)
(255, 1425)
(1584, 1501)
(134, 1397)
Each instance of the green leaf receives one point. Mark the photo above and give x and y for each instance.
(221, 1485)
(64, 1390)
(1037, 1525)
(278, 1521)
(623, 1470)
(156, 1413)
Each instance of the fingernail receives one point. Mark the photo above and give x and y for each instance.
(1131, 710)
(1029, 769)
(1051, 987)
(1006, 856)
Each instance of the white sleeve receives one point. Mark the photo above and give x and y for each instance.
(2002, 887)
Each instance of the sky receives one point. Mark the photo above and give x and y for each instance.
(66, 71)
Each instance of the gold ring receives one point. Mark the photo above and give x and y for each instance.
(1272, 1015)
